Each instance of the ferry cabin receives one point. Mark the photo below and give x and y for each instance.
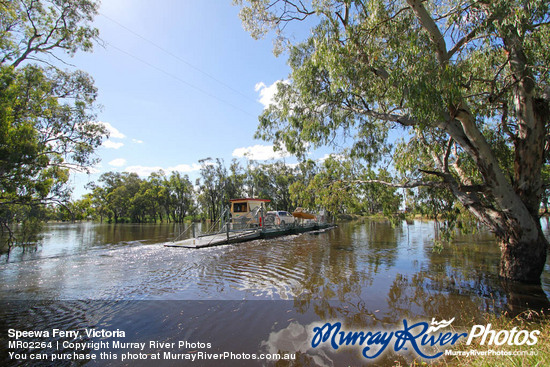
(244, 207)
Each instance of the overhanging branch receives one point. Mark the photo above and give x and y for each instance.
(403, 120)
(405, 185)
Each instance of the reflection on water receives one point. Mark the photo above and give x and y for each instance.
(367, 274)
(394, 270)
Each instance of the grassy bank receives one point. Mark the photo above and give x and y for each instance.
(499, 355)
(523, 355)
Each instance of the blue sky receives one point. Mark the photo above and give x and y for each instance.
(178, 81)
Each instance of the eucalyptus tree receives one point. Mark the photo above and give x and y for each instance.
(301, 190)
(157, 195)
(466, 80)
(281, 177)
(181, 196)
(235, 182)
(98, 200)
(376, 198)
(46, 114)
(142, 204)
(119, 190)
(269, 181)
(256, 180)
(212, 187)
(330, 185)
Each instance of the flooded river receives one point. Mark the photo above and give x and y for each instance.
(261, 296)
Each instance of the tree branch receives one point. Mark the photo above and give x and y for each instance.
(430, 26)
(403, 120)
(405, 185)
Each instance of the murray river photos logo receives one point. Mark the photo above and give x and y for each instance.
(421, 337)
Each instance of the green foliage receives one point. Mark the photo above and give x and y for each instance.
(180, 197)
(271, 181)
(46, 114)
(42, 135)
(330, 188)
(378, 198)
(20, 226)
(34, 27)
(213, 188)
(125, 197)
(217, 185)
(341, 185)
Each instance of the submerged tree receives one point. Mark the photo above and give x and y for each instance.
(180, 198)
(466, 80)
(46, 114)
(213, 187)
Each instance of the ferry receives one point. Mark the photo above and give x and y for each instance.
(247, 219)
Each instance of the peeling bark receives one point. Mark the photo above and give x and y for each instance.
(515, 220)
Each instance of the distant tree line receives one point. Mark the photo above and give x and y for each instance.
(119, 197)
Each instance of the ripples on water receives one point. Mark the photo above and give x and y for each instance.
(367, 274)
(360, 261)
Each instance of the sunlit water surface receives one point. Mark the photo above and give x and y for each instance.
(366, 274)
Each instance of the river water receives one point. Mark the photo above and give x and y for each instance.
(261, 296)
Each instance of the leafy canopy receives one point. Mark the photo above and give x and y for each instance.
(47, 114)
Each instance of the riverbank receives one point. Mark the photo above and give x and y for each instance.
(505, 355)
(508, 355)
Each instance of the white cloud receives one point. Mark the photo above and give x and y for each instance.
(95, 169)
(267, 94)
(185, 168)
(142, 170)
(260, 152)
(145, 171)
(113, 131)
(292, 165)
(111, 144)
(137, 141)
(119, 162)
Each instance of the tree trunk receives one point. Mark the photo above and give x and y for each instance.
(508, 207)
(512, 217)
(522, 260)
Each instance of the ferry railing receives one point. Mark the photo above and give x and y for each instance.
(224, 223)
(192, 226)
(208, 232)
(225, 226)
